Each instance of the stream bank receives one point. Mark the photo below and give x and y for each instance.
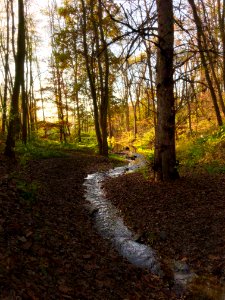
(49, 248)
(183, 221)
(111, 226)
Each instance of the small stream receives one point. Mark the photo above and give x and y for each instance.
(110, 225)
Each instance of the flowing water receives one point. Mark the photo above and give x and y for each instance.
(110, 225)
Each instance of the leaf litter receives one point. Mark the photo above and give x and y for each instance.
(49, 248)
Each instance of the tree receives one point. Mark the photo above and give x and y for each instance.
(14, 120)
(165, 155)
(57, 68)
(97, 65)
(204, 54)
(6, 69)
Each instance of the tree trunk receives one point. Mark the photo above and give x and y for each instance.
(91, 77)
(211, 61)
(76, 91)
(222, 32)
(149, 63)
(32, 127)
(126, 96)
(165, 155)
(59, 103)
(200, 37)
(41, 96)
(103, 61)
(134, 106)
(6, 72)
(14, 121)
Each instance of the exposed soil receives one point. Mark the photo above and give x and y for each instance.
(50, 249)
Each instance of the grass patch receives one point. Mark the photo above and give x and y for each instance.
(38, 149)
(43, 149)
(116, 159)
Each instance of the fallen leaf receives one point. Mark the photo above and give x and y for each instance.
(65, 289)
(26, 245)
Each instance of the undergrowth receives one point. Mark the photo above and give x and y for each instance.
(206, 152)
(44, 148)
(38, 149)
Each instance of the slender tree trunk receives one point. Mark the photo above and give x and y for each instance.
(222, 33)
(110, 123)
(6, 72)
(60, 104)
(24, 90)
(13, 30)
(42, 99)
(30, 93)
(14, 122)
(105, 82)
(103, 68)
(133, 103)
(126, 103)
(78, 132)
(212, 62)
(78, 117)
(91, 78)
(64, 87)
(200, 37)
(149, 63)
(41, 91)
(25, 113)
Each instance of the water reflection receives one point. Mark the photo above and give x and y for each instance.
(111, 225)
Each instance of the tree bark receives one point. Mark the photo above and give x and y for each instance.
(211, 61)
(222, 33)
(14, 121)
(98, 63)
(90, 76)
(105, 82)
(165, 155)
(200, 36)
(6, 72)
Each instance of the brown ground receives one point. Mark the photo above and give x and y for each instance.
(182, 220)
(49, 248)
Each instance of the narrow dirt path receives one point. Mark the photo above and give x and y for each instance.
(49, 248)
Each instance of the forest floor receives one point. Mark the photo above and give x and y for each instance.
(50, 249)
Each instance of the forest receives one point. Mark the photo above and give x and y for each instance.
(91, 85)
(104, 73)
